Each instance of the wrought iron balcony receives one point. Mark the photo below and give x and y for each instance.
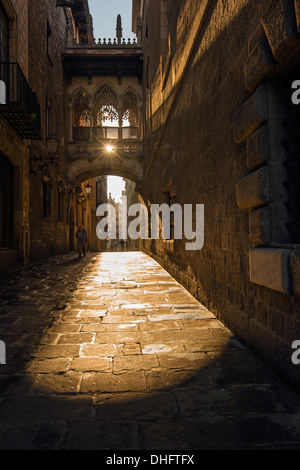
(18, 103)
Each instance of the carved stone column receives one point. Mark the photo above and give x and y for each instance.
(140, 104)
(91, 107)
(70, 106)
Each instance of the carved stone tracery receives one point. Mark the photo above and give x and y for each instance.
(105, 106)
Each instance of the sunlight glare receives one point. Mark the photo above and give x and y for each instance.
(110, 148)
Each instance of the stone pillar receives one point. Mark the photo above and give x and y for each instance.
(70, 106)
(91, 107)
(120, 108)
(140, 120)
(120, 129)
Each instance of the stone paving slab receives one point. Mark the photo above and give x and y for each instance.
(110, 353)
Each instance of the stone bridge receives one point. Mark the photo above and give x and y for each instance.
(92, 159)
(104, 92)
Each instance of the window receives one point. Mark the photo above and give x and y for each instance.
(48, 43)
(81, 116)
(106, 113)
(129, 113)
(4, 53)
(49, 118)
(60, 203)
(46, 199)
(6, 202)
(4, 35)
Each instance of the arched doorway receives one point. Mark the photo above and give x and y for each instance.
(6, 202)
(71, 230)
(91, 192)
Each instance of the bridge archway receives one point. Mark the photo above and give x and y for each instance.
(83, 170)
(86, 202)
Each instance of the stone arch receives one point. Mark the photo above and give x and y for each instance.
(85, 171)
(130, 90)
(71, 230)
(100, 85)
(81, 113)
(78, 94)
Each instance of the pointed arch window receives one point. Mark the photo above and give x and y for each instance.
(104, 115)
(85, 118)
(106, 96)
(106, 112)
(81, 115)
(107, 115)
(130, 112)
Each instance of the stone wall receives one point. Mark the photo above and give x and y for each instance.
(21, 8)
(47, 40)
(13, 147)
(215, 134)
(17, 153)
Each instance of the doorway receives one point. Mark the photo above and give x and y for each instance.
(71, 230)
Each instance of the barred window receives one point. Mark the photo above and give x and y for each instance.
(6, 202)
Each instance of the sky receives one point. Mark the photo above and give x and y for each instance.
(104, 13)
(115, 186)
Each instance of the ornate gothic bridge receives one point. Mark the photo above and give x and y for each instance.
(105, 104)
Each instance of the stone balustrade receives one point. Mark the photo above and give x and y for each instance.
(109, 42)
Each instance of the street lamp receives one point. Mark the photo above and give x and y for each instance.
(52, 145)
(88, 189)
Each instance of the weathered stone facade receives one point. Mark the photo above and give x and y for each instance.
(219, 130)
(47, 40)
(14, 151)
(39, 199)
(104, 115)
(47, 199)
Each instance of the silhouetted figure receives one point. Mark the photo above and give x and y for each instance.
(82, 238)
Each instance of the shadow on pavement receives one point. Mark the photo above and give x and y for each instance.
(214, 395)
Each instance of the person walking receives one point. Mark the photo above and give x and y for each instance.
(82, 238)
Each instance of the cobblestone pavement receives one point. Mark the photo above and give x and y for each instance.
(110, 352)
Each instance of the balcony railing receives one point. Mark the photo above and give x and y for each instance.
(81, 134)
(109, 43)
(18, 103)
(124, 148)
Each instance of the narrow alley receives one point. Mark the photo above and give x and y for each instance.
(111, 353)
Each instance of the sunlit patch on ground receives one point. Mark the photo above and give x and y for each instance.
(115, 354)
